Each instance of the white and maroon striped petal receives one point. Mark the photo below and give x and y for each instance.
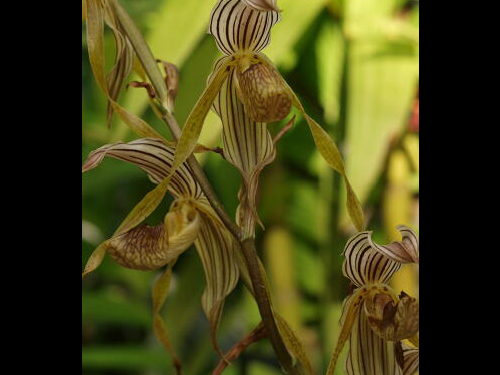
(238, 27)
(411, 359)
(262, 5)
(217, 251)
(153, 157)
(405, 251)
(364, 265)
(369, 354)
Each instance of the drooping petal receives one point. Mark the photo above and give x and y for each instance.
(217, 251)
(149, 248)
(95, 41)
(411, 358)
(364, 265)
(262, 5)
(248, 146)
(369, 354)
(237, 27)
(192, 128)
(160, 291)
(405, 251)
(326, 147)
(124, 58)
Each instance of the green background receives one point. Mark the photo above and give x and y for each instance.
(354, 64)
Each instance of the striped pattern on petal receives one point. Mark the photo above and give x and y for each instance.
(155, 158)
(262, 5)
(246, 143)
(364, 265)
(405, 251)
(216, 249)
(238, 27)
(411, 359)
(368, 354)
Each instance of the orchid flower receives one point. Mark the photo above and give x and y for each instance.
(374, 318)
(191, 219)
(247, 92)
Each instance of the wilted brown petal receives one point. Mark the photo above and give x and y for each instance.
(393, 322)
(262, 92)
(237, 27)
(405, 251)
(149, 248)
(369, 354)
(364, 265)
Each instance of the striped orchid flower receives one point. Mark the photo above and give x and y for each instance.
(247, 92)
(374, 319)
(190, 220)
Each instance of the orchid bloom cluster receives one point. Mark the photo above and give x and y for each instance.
(247, 92)
(190, 220)
(374, 318)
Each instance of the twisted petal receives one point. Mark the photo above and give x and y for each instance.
(217, 251)
(160, 291)
(369, 354)
(364, 265)
(238, 27)
(326, 147)
(405, 251)
(153, 157)
(95, 18)
(124, 58)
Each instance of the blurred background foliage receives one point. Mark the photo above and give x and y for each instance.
(354, 63)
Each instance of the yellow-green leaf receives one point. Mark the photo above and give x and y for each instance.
(192, 128)
(95, 259)
(144, 208)
(160, 291)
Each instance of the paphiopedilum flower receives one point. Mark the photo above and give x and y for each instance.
(248, 92)
(190, 220)
(374, 318)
